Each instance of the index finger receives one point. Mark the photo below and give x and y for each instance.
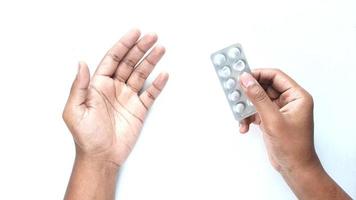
(280, 81)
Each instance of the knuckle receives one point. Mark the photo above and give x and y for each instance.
(134, 85)
(141, 74)
(140, 49)
(134, 88)
(122, 44)
(114, 56)
(150, 61)
(158, 89)
(283, 97)
(130, 62)
(151, 96)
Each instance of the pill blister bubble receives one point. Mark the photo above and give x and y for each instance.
(229, 84)
(239, 65)
(233, 53)
(234, 96)
(219, 59)
(225, 72)
(239, 107)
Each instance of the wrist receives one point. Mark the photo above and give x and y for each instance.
(95, 163)
(304, 180)
(313, 182)
(297, 168)
(92, 177)
(314, 169)
(91, 159)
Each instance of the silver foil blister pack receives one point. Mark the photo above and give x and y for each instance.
(229, 64)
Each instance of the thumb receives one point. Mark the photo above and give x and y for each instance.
(79, 90)
(259, 98)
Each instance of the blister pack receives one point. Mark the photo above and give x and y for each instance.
(229, 64)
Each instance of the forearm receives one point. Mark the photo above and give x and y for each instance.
(313, 183)
(92, 179)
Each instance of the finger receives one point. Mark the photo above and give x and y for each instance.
(245, 123)
(244, 127)
(113, 57)
(280, 81)
(287, 88)
(151, 93)
(143, 70)
(272, 93)
(265, 107)
(134, 55)
(79, 91)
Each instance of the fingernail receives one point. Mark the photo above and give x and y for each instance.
(247, 80)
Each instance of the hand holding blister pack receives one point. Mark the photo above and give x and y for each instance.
(229, 64)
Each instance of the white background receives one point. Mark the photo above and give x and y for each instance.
(190, 147)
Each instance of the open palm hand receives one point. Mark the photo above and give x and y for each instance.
(105, 113)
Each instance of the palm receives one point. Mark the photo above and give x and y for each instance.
(115, 114)
(110, 117)
(123, 107)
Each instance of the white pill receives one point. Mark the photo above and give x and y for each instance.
(229, 84)
(239, 108)
(234, 96)
(225, 72)
(219, 59)
(233, 53)
(239, 65)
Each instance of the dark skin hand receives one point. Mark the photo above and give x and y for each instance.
(105, 113)
(285, 116)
